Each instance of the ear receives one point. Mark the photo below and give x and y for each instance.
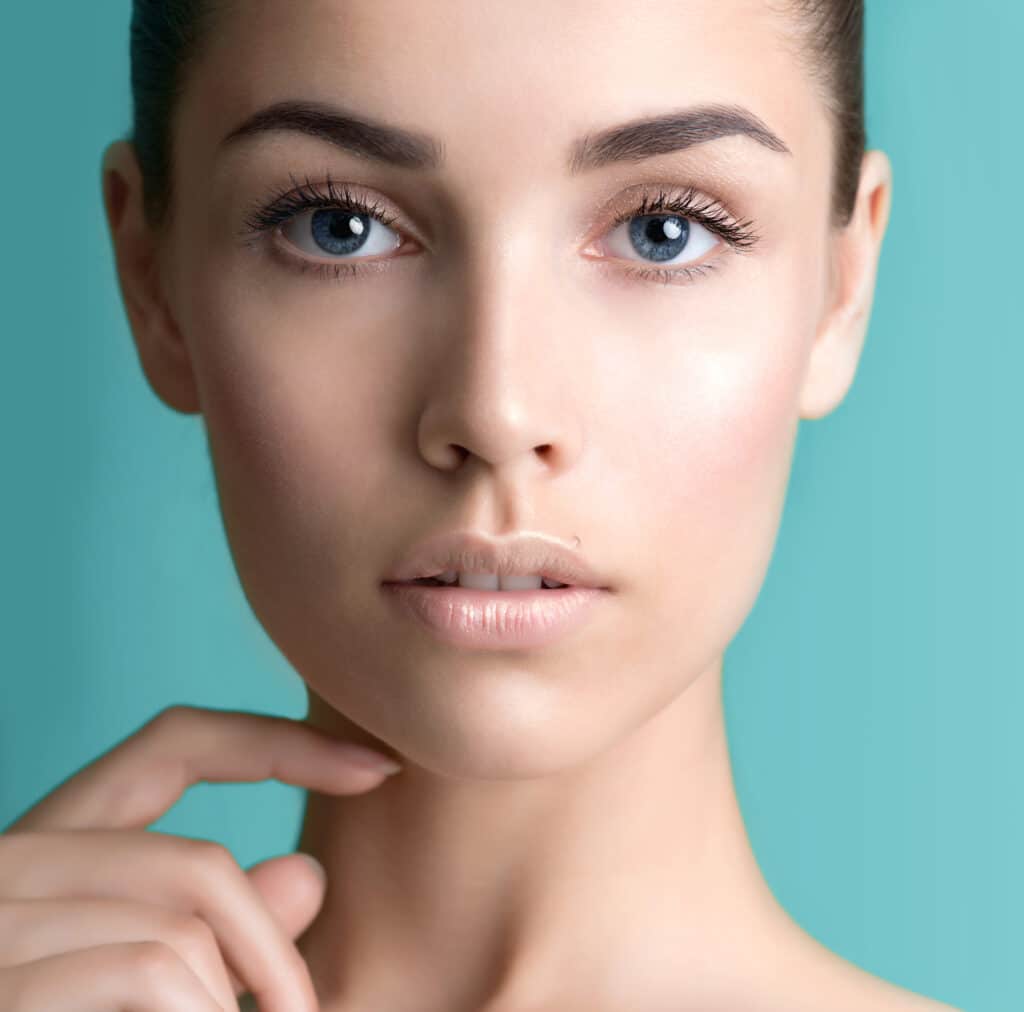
(854, 253)
(137, 251)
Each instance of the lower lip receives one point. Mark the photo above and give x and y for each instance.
(496, 620)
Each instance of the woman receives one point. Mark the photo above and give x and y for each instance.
(511, 296)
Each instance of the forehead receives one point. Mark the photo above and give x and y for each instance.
(504, 85)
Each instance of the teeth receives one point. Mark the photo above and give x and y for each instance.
(491, 581)
(522, 582)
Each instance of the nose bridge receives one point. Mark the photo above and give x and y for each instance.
(502, 374)
(500, 327)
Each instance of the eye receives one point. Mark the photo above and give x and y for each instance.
(339, 232)
(672, 233)
(663, 239)
(333, 229)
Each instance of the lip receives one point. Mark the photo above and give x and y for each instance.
(517, 554)
(496, 620)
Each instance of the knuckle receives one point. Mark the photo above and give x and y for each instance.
(210, 852)
(171, 716)
(153, 962)
(190, 934)
(210, 859)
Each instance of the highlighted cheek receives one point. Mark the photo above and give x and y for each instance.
(721, 491)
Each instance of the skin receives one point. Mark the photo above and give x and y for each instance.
(565, 833)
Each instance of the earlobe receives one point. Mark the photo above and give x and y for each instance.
(836, 350)
(162, 353)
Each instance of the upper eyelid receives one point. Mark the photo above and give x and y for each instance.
(624, 202)
(614, 212)
(311, 196)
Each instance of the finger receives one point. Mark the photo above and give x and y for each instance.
(292, 890)
(139, 779)
(33, 929)
(196, 877)
(141, 976)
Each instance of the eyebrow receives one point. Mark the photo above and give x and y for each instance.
(631, 141)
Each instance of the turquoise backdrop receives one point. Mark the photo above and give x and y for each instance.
(874, 697)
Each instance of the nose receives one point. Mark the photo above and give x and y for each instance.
(501, 394)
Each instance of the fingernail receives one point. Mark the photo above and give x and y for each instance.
(358, 755)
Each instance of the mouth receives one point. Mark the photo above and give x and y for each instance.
(479, 561)
(494, 618)
(528, 584)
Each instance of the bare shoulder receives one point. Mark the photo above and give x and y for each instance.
(840, 994)
(820, 978)
(898, 999)
(858, 990)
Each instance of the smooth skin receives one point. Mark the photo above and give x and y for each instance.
(565, 835)
(96, 913)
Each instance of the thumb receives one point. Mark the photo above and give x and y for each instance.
(293, 889)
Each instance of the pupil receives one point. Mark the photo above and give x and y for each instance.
(339, 231)
(659, 237)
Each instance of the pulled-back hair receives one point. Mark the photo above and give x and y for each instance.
(830, 47)
(167, 37)
(166, 40)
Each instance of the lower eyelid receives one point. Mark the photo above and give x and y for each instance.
(286, 250)
(630, 270)
(679, 276)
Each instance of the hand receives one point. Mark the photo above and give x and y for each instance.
(98, 913)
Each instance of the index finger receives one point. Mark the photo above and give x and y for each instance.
(139, 779)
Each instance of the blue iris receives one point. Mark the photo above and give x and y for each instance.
(340, 231)
(659, 237)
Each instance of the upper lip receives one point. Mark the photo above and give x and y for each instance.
(476, 552)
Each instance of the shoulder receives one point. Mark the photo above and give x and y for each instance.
(860, 995)
(908, 1001)
(858, 989)
(817, 977)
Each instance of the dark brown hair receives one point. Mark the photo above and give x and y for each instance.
(830, 47)
(167, 36)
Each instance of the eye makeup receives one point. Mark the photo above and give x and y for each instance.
(267, 217)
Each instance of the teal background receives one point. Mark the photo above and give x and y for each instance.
(873, 697)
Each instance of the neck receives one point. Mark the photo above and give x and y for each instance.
(628, 873)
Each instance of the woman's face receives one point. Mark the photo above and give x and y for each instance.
(502, 319)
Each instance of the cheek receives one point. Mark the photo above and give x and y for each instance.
(716, 456)
(716, 473)
(296, 435)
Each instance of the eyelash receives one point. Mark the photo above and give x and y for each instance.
(286, 204)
